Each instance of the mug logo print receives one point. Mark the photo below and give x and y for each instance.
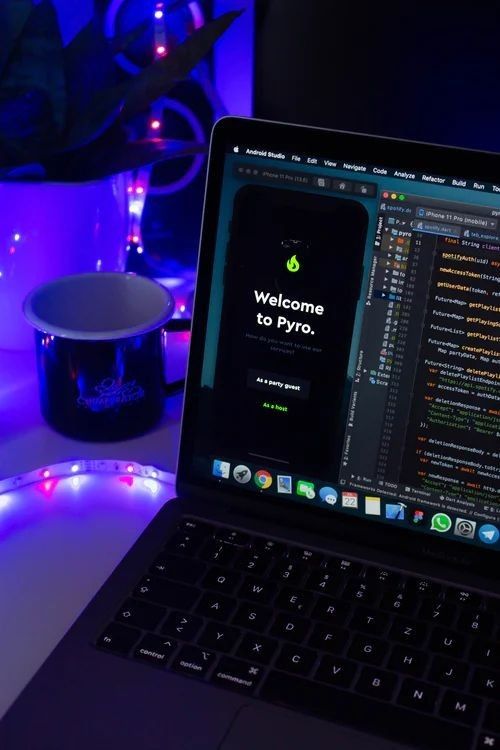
(111, 394)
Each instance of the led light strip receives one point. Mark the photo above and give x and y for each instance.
(158, 19)
(78, 468)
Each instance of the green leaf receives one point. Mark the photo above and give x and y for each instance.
(100, 115)
(111, 159)
(156, 80)
(140, 91)
(13, 16)
(37, 60)
(90, 68)
(26, 124)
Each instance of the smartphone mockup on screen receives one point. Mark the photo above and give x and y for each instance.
(292, 279)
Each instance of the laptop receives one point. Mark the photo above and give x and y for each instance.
(328, 575)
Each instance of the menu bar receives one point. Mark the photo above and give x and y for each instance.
(362, 169)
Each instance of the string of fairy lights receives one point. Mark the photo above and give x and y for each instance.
(140, 185)
(47, 478)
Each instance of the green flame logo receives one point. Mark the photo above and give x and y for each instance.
(293, 264)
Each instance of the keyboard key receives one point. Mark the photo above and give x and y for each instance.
(336, 671)
(371, 650)
(255, 647)
(222, 580)
(369, 621)
(399, 602)
(293, 600)
(408, 661)
(447, 642)
(486, 683)
(291, 627)
(448, 672)
(194, 661)
(306, 556)
(288, 572)
(323, 581)
(140, 614)
(181, 625)
(215, 606)
(328, 638)
(409, 632)
(488, 740)
(362, 592)
(257, 590)
(492, 717)
(493, 604)
(231, 536)
(418, 695)
(347, 568)
(461, 596)
(185, 543)
(377, 683)
(218, 637)
(364, 713)
(218, 552)
(165, 592)
(388, 578)
(252, 562)
(237, 675)
(295, 659)
(476, 621)
(268, 547)
(423, 587)
(486, 653)
(155, 649)
(195, 527)
(329, 610)
(460, 707)
(438, 612)
(252, 616)
(182, 569)
(118, 638)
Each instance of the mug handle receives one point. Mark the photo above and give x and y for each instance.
(176, 325)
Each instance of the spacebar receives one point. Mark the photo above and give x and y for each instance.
(395, 723)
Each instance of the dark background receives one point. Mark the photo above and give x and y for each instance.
(421, 70)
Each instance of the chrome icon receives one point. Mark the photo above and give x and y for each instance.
(263, 479)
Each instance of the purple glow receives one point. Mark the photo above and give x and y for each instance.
(152, 485)
(233, 59)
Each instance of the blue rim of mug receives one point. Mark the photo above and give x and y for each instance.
(107, 335)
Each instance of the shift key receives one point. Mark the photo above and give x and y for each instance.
(168, 593)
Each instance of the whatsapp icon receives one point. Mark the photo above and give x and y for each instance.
(440, 522)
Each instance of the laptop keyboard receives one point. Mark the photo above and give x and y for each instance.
(397, 655)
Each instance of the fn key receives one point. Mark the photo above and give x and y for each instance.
(118, 638)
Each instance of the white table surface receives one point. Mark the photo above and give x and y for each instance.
(55, 555)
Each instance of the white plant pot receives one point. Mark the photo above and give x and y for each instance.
(49, 230)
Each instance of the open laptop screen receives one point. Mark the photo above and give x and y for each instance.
(352, 352)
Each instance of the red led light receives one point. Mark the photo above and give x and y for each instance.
(161, 50)
(155, 124)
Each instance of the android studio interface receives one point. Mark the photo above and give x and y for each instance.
(353, 342)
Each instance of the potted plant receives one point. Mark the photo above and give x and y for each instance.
(65, 147)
